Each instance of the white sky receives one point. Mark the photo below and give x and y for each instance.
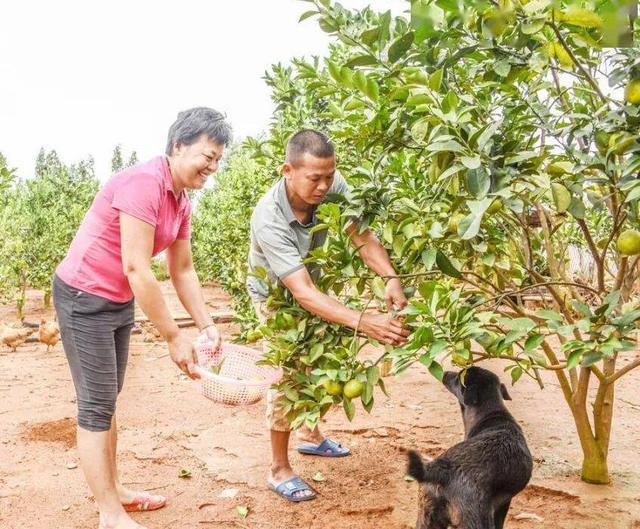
(81, 76)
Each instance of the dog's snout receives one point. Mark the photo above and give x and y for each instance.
(448, 378)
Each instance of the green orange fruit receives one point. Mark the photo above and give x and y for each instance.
(353, 389)
(628, 242)
(632, 92)
(332, 387)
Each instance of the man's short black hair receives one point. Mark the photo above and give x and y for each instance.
(308, 141)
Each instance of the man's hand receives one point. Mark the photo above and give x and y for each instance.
(394, 295)
(383, 328)
(183, 354)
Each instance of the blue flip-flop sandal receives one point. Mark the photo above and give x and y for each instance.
(327, 448)
(288, 489)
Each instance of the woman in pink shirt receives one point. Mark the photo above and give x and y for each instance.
(140, 212)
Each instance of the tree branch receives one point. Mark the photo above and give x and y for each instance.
(582, 69)
(622, 371)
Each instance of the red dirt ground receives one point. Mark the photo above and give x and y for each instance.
(166, 426)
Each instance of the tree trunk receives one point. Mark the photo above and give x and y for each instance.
(47, 299)
(595, 447)
(21, 299)
(595, 468)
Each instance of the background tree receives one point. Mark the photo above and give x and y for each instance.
(117, 159)
(38, 222)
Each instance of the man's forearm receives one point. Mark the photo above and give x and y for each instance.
(327, 308)
(149, 298)
(189, 292)
(373, 254)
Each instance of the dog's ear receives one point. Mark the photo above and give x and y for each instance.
(505, 393)
(415, 468)
(471, 396)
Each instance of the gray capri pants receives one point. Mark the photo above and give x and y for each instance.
(95, 334)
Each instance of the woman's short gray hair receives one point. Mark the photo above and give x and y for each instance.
(193, 123)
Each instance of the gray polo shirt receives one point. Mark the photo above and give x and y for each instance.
(279, 242)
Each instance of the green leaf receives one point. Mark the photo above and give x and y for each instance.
(242, 510)
(372, 90)
(451, 146)
(370, 36)
(634, 194)
(184, 473)
(383, 387)
(437, 347)
(516, 373)
(400, 46)
(426, 17)
(349, 408)
(316, 351)
(373, 375)
(420, 129)
(550, 315)
(378, 287)
(361, 60)
(334, 70)
(469, 227)
(306, 15)
(445, 266)
(327, 25)
(478, 182)
(574, 359)
(360, 80)
(502, 68)
(627, 318)
(577, 208)
(533, 342)
(367, 394)
(435, 79)
(471, 162)
(429, 258)
(535, 6)
(425, 360)
(532, 26)
(518, 324)
(436, 370)
(590, 358)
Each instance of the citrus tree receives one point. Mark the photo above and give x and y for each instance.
(221, 227)
(38, 222)
(485, 142)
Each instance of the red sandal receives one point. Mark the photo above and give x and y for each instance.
(145, 502)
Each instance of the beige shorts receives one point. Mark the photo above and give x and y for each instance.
(275, 417)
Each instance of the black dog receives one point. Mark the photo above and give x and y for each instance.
(470, 486)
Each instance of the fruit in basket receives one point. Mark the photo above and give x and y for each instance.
(353, 389)
(215, 369)
(332, 387)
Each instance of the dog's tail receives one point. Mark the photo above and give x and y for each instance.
(437, 471)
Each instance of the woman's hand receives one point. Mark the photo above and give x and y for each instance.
(212, 334)
(183, 354)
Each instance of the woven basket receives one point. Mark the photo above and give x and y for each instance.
(239, 380)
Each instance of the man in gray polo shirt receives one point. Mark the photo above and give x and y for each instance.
(280, 239)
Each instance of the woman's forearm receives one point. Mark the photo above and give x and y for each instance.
(189, 292)
(146, 290)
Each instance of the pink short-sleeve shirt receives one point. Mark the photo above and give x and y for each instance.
(145, 191)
